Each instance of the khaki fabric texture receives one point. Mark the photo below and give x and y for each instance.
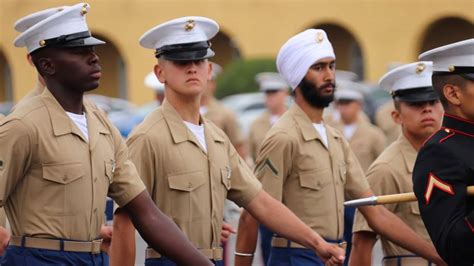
(391, 173)
(368, 142)
(225, 119)
(186, 183)
(258, 130)
(53, 182)
(297, 169)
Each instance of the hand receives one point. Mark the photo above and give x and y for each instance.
(227, 230)
(439, 261)
(331, 254)
(106, 235)
(4, 239)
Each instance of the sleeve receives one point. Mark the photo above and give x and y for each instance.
(356, 182)
(143, 157)
(274, 161)
(244, 184)
(126, 184)
(16, 148)
(440, 179)
(382, 181)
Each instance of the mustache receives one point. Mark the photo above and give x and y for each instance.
(327, 85)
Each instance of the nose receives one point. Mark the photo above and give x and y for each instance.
(192, 67)
(329, 74)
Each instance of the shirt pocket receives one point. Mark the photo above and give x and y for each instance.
(186, 195)
(62, 188)
(310, 199)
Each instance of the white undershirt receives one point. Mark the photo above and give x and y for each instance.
(349, 130)
(198, 131)
(81, 123)
(322, 132)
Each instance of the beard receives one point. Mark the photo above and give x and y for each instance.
(312, 94)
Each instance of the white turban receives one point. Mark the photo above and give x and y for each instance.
(300, 52)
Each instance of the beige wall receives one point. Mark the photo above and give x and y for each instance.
(387, 30)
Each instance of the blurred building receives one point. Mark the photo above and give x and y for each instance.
(366, 34)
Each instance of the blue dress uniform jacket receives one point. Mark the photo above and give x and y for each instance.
(443, 169)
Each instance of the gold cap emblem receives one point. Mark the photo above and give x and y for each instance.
(84, 10)
(189, 25)
(447, 130)
(319, 37)
(451, 68)
(420, 67)
(42, 43)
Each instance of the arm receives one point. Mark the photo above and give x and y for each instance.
(362, 244)
(122, 248)
(264, 208)
(161, 233)
(390, 226)
(247, 233)
(447, 216)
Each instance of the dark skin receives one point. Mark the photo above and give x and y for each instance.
(68, 73)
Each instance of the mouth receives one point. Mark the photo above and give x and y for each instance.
(427, 120)
(192, 80)
(97, 74)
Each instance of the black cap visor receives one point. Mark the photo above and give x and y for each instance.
(185, 52)
(413, 95)
(73, 40)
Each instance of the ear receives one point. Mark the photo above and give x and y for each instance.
(452, 93)
(396, 116)
(46, 66)
(160, 73)
(209, 71)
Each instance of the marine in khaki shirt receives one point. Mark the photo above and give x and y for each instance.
(50, 168)
(366, 140)
(187, 163)
(60, 157)
(418, 112)
(309, 166)
(186, 181)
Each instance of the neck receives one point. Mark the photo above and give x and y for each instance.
(415, 140)
(278, 111)
(315, 114)
(70, 100)
(187, 107)
(459, 113)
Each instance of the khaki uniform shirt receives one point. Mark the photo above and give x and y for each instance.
(53, 183)
(258, 130)
(383, 119)
(313, 181)
(225, 119)
(367, 142)
(186, 183)
(391, 173)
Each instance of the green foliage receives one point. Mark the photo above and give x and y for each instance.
(239, 76)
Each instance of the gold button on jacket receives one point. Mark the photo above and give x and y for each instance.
(313, 181)
(391, 173)
(53, 182)
(186, 183)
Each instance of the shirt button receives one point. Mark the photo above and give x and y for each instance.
(95, 210)
(95, 179)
